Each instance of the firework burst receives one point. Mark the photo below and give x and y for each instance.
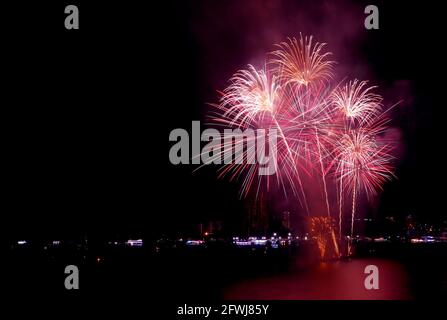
(251, 95)
(362, 163)
(301, 62)
(255, 100)
(357, 102)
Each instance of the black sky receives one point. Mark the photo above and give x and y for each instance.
(86, 114)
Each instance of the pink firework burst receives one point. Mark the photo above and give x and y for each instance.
(362, 162)
(357, 102)
(301, 62)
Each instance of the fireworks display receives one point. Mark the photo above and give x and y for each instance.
(329, 133)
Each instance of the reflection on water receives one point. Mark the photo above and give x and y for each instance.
(327, 280)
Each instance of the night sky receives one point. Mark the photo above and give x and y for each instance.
(86, 114)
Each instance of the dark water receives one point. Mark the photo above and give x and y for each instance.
(327, 280)
(405, 272)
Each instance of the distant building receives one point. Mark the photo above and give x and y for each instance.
(286, 220)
